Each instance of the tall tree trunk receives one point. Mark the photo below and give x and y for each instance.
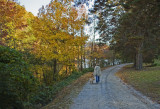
(55, 69)
(139, 59)
(113, 59)
(84, 58)
(81, 67)
(134, 65)
(66, 70)
(91, 61)
(81, 51)
(78, 59)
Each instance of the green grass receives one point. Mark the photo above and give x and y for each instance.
(146, 81)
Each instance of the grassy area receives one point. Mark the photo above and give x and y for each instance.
(146, 81)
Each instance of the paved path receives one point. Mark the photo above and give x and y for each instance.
(110, 93)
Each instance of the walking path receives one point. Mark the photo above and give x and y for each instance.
(110, 93)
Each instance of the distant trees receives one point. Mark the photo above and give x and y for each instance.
(99, 55)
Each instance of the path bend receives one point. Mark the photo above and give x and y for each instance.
(110, 93)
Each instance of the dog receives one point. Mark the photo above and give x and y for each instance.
(91, 79)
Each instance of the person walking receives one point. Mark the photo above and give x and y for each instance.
(97, 73)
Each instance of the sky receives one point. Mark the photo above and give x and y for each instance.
(33, 5)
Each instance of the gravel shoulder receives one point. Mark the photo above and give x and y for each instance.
(111, 93)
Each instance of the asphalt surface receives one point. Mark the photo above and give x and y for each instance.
(111, 93)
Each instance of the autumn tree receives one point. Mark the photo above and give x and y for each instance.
(57, 35)
(41, 51)
(12, 19)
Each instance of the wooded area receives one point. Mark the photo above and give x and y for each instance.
(39, 55)
(132, 27)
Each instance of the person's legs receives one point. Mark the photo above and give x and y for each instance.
(96, 79)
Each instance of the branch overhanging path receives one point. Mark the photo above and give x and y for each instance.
(111, 93)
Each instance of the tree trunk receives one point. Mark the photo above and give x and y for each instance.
(139, 59)
(91, 60)
(84, 58)
(81, 67)
(78, 59)
(66, 70)
(134, 65)
(55, 69)
(113, 59)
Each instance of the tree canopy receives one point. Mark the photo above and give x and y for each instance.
(134, 28)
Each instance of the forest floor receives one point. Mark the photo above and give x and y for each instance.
(110, 93)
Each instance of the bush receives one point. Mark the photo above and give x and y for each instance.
(157, 62)
(48, 93)
(19, 89)
(88, 70)
(17, 83)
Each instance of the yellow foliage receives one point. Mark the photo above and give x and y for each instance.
(50, 36)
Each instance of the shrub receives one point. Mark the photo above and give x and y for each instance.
(88, 70)
(17, 83)
(19, 89)
(48, 93)
(157, 62)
